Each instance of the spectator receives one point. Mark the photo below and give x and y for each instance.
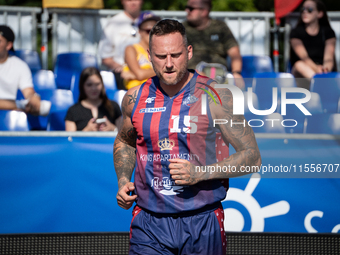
(211, 39)
(312, 42)
(94, 111)
(14, 75)
(120, 32)
(138, 68)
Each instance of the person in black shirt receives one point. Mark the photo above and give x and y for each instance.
(312, 42)
(93, 105)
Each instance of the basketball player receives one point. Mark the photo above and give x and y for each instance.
(171, 137)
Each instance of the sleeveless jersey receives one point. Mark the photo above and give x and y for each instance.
(174, 128)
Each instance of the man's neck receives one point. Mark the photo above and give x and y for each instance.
(3, 58)
(131, 16)
(205, 23)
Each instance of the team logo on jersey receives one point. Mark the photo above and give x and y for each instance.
(166, 185)
(191, 99)
(152, 110)
(149, 100)
(166, 144)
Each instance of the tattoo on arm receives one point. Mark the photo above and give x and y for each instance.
(125, 156)
(132, 98)
(238, 133)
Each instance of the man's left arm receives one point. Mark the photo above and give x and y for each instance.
(238, 133)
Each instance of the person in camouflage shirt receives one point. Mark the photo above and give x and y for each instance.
(211, 39)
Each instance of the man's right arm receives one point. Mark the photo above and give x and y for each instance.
(125, 151)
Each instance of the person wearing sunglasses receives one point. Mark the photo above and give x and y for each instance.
(211, 39)
(312, 43)
(138, 68)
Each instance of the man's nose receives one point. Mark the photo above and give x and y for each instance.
(169, 63)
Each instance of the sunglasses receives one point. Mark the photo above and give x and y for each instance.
(146, 30)
(308, 9)
(190, 8)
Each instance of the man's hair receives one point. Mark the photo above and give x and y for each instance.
(207, 4)
(168, 26)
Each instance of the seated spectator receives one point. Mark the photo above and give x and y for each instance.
(120, 31)
(93, 111)
(138, 68)
(312, 42)
(14, 75)
(211, 39)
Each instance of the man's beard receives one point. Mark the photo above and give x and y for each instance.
(179, 77)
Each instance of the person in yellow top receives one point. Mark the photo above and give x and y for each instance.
(138, 68)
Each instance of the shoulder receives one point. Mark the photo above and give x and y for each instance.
(218, 24)
(329, 32)
(297, 32)
(129, 100)
(17, 61)
(119, 17)
(19, 65)
(75, 107)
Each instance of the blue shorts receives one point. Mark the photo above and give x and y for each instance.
(195, 233)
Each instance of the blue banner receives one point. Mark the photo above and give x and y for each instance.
(68, 184)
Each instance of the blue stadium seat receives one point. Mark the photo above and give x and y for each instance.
(13, 121)
(44, 85)
(314, 106)
(109, 83)
(325, 123)
(263, 84)
(68, 64)
(328, 87)
(75, 86)
(31, 57)
(118, 96)
(252, 65)
(61, 100)
(271, 124)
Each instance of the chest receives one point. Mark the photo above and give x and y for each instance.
(158, 117)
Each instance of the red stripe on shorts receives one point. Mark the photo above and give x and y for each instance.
(220, 216)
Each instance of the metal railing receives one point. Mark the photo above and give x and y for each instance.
(80, 30)
(24, 22)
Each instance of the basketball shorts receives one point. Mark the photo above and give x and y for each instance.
(199, 232)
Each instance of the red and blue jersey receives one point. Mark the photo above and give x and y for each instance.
(169, 128)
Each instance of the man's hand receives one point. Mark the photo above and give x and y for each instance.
(124, 199)
(33, 105)
(183, 172)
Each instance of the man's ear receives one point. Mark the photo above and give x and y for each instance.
(9, 45)
(190, 53)
(149, 54)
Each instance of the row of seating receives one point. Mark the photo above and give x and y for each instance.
(327, 86)
(324, 123)
(61, 100)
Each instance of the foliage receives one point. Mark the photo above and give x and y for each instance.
(177, 5)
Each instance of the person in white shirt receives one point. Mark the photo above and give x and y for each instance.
(120, 31)
(14, 75)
